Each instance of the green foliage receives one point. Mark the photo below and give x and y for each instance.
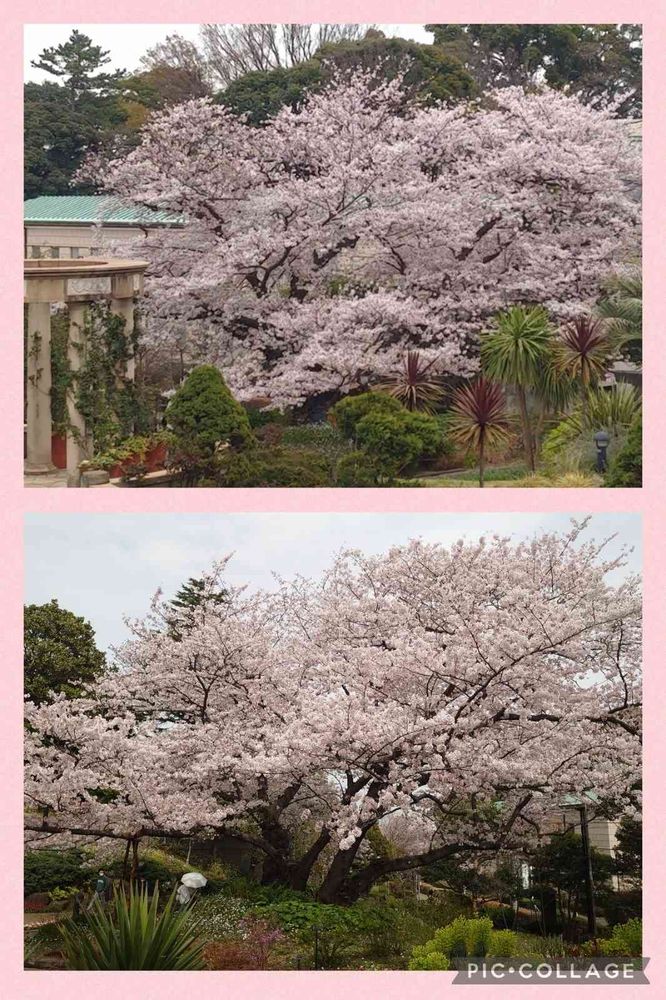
(626, 467)
(462, 938)
(61, 376)
(599, 62)
(518, 346)
(629, 849)
(203, 414)
(625, 940)
(358, 469)
(398, 440)
(333, 930)
(260, 417)
(501, 473)
(503, 944)
(322, 437)
(394, 437)
(106, 398)
(427, 74)
(622, 308)
(559, 865)
(60, 654)
(219, 916)
(569, 446)
(132, 934)
(272, 467)
(347, 413)
(260, 94)
(425, 960)
(47, 870)
(65, 120)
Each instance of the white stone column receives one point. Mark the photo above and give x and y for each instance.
(79, 443)
(38, 389)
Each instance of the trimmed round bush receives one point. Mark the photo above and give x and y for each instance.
(346, 414)
(399, 440)
(272, 467)
(203, 413)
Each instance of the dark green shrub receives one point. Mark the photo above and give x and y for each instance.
(332, 930)
(618, 907)
(626, 468)
(395, 437)
(48, 869)
(272, 467)
(346, 414)
(357, 468)
(322, 437)
(259, 418)
(399, 440)
(203, 413)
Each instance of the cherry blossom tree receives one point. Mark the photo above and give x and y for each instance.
(321, 247)
(467, 689)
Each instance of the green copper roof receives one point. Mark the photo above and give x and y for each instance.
(90, 209)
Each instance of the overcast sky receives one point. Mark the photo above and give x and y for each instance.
(126, 43)
(105, 566)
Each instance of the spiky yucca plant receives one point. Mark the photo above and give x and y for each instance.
(515, 352)
(417, 386)
(614, 409)
(478, 419)
(132, 934)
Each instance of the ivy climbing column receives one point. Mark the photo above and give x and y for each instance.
(122, 304)
(78, 284)
(78, 441)
(38, 388)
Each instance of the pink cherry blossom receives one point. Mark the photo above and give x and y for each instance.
(464, 691)
(323, 245)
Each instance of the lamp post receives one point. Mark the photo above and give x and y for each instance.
(602, 440)
(587, 872)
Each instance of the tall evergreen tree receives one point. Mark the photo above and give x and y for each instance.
(78, 111)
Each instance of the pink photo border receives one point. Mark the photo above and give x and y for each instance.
(17, 984)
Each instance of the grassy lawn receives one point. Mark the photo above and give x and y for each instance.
(511, 477)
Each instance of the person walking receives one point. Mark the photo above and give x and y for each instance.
(102, 885)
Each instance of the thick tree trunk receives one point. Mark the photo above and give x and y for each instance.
(482, 457)
(135, 859)
(331, 889)
(300, 871)
(355, 886)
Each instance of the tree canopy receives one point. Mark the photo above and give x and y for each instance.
(60, 652)
(418, 683)
(325, 245)
(599, 62)
(65, 120)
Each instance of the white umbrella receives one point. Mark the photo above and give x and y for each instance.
(194, 880)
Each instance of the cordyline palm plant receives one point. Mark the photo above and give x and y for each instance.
(515, 353)
(584, 352)
(622, 308)
(479, 420)
(417, 386)
(132, 934)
